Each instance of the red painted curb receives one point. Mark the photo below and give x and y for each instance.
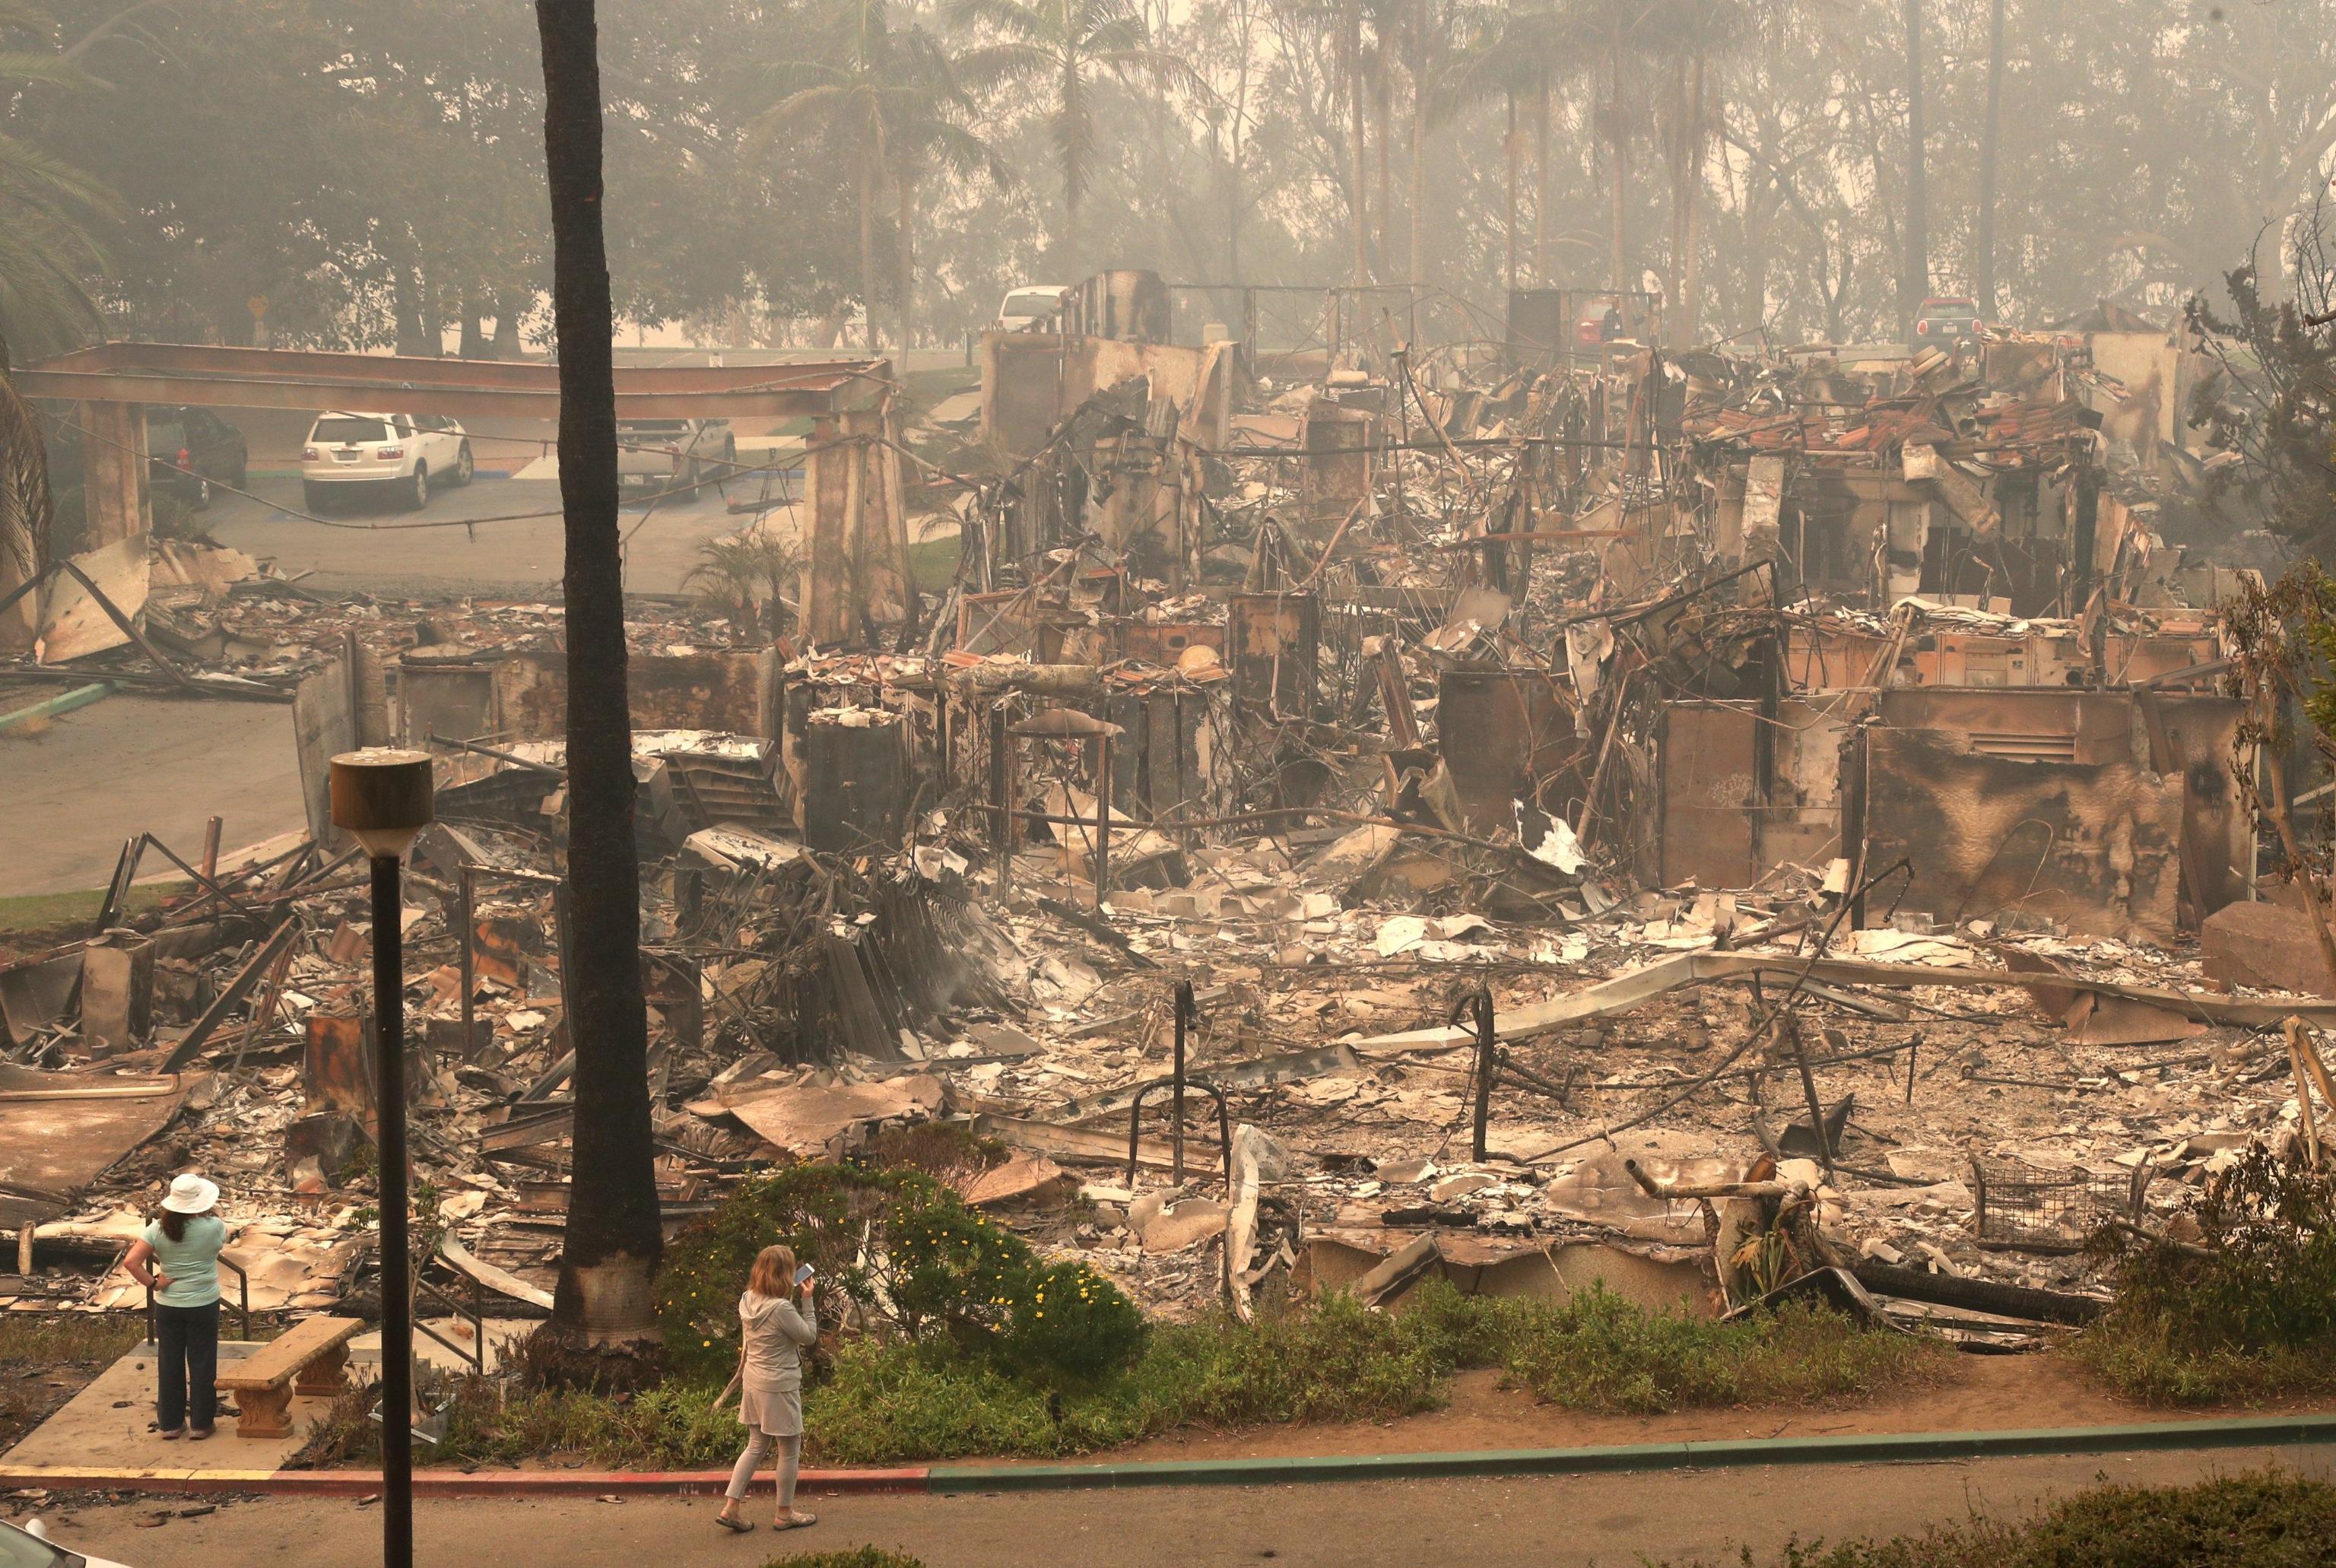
(452, 1484)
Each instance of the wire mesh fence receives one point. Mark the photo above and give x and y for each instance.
(2020, 1207)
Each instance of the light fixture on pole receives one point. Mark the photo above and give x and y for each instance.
(382, 797)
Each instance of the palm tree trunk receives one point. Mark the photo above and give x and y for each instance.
(908, 267)
(1418, 250)
(1984, 285)
(1690, 200)
(1360, 207)
(1675, 151)
(1508, 152)
(1619, 218)
(1541, 184)
(867, 180)
(612, 1241)
(1383, 104)
(1914, 282)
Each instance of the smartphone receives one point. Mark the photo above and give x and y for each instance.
(802, 1274)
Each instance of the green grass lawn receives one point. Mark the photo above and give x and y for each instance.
(34, 920)
(933, 562)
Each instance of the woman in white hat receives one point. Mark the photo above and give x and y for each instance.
(177, 1259)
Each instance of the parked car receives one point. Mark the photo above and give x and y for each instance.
(30, 1547)
(1953, 317)
(1598, 323)
(674, 452)
(1033, 308)
(192, 449)
(406, 453)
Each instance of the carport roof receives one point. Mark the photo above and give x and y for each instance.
(178, 373)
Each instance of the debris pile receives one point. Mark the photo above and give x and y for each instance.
(1717, 825)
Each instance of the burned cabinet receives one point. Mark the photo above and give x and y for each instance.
(1711, 762)
(1504, 734)
(855, 781)
(1273, 645)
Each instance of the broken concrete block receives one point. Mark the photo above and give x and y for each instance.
(2267, 947)
(1185, 1224)
(1460, 1186)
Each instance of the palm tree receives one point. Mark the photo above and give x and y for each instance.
(1690, 32)
(866, 80)
(927, 132)
(46, 252)
(1423, 31)
(1513, 57)
(1983, 283)
(1069, 44)
(613, 1241)
(1915, 279)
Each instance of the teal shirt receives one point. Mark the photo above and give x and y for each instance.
(192, 1265)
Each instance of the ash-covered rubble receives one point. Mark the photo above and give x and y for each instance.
(1674, 768)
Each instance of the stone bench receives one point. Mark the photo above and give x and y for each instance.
(315, 1351)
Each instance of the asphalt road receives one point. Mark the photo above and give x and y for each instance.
(372, 545)
(100, 774)
(1666, 1516)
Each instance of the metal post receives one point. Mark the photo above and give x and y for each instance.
(1001, 796)
(1487, 1053)
(396, 1285)
(1176, 1104)
(1102, 817)
(469, 889)
(212, 849)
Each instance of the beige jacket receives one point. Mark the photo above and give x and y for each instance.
(774, 1333)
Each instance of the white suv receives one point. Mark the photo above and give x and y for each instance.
(1033, 308)
(407, 451)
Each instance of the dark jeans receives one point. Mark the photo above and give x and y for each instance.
(188, 1340)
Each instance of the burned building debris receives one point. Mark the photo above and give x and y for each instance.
(1822, 768)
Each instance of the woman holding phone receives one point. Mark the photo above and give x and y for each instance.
(775, 1325)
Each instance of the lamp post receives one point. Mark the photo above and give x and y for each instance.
(382, 797)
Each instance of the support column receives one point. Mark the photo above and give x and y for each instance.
(832, 499)
(113, 472)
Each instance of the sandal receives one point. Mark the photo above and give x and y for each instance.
(737, 1526)
(794, 1521)
(174, 1434)
(197, 1434)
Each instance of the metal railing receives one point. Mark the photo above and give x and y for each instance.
(474, 1314)
(242, 1299)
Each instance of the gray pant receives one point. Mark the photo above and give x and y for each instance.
(758, 1449)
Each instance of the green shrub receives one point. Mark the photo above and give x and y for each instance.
(820, 1211)
(1091, 1375)
(2248, 1309)
(1599, 1352)
(1070, 1321)
(2258, 1520)
(897, 1244)
(951, 1268)
(858, 1557)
